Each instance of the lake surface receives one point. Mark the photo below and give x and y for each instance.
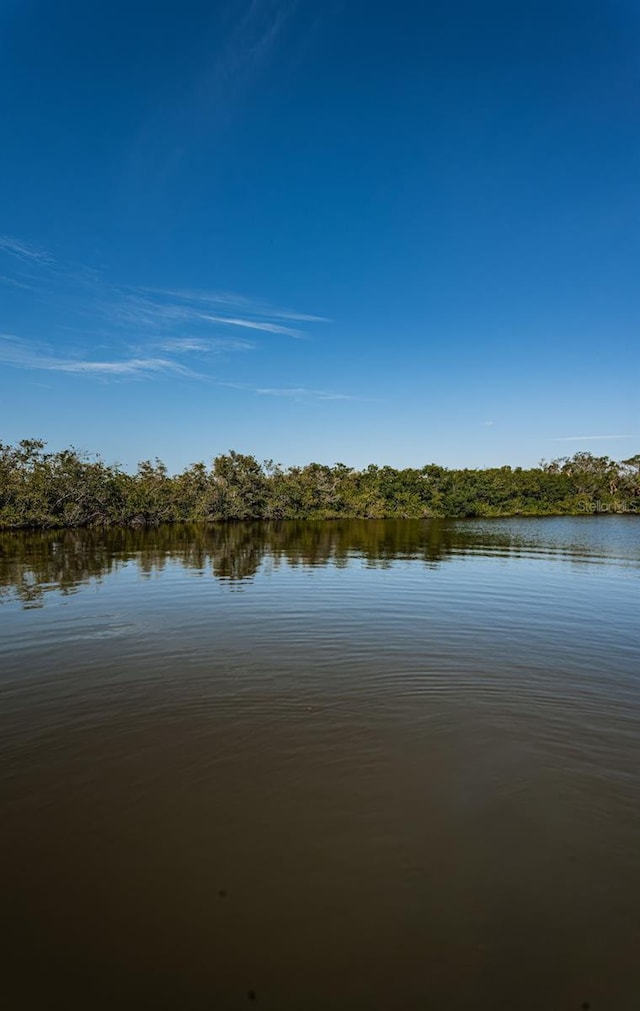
(347, 765)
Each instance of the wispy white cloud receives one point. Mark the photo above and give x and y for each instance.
(126, 367)
(300, 317)
(198, 295)
(137, 314)
(255, 324)
(185, 345)
(98, 328)
(136, 309)
(248, 48)
(218, 298)
(299, 393)
(23, 250)
(303, 393)
(149, 307)
(588, 438)
(241, 48)
(24, 355)
(13, 282)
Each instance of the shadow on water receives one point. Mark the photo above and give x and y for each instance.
(32, 563)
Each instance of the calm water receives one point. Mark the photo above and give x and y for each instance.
(359, 765)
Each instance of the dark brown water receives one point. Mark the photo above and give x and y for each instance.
(359, 765)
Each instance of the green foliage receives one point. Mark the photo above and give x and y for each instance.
(71, 489)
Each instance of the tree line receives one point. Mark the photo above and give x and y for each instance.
(46, 490)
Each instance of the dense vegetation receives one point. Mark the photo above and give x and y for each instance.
(72, 489)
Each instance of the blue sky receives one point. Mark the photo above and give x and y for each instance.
(325, 230)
